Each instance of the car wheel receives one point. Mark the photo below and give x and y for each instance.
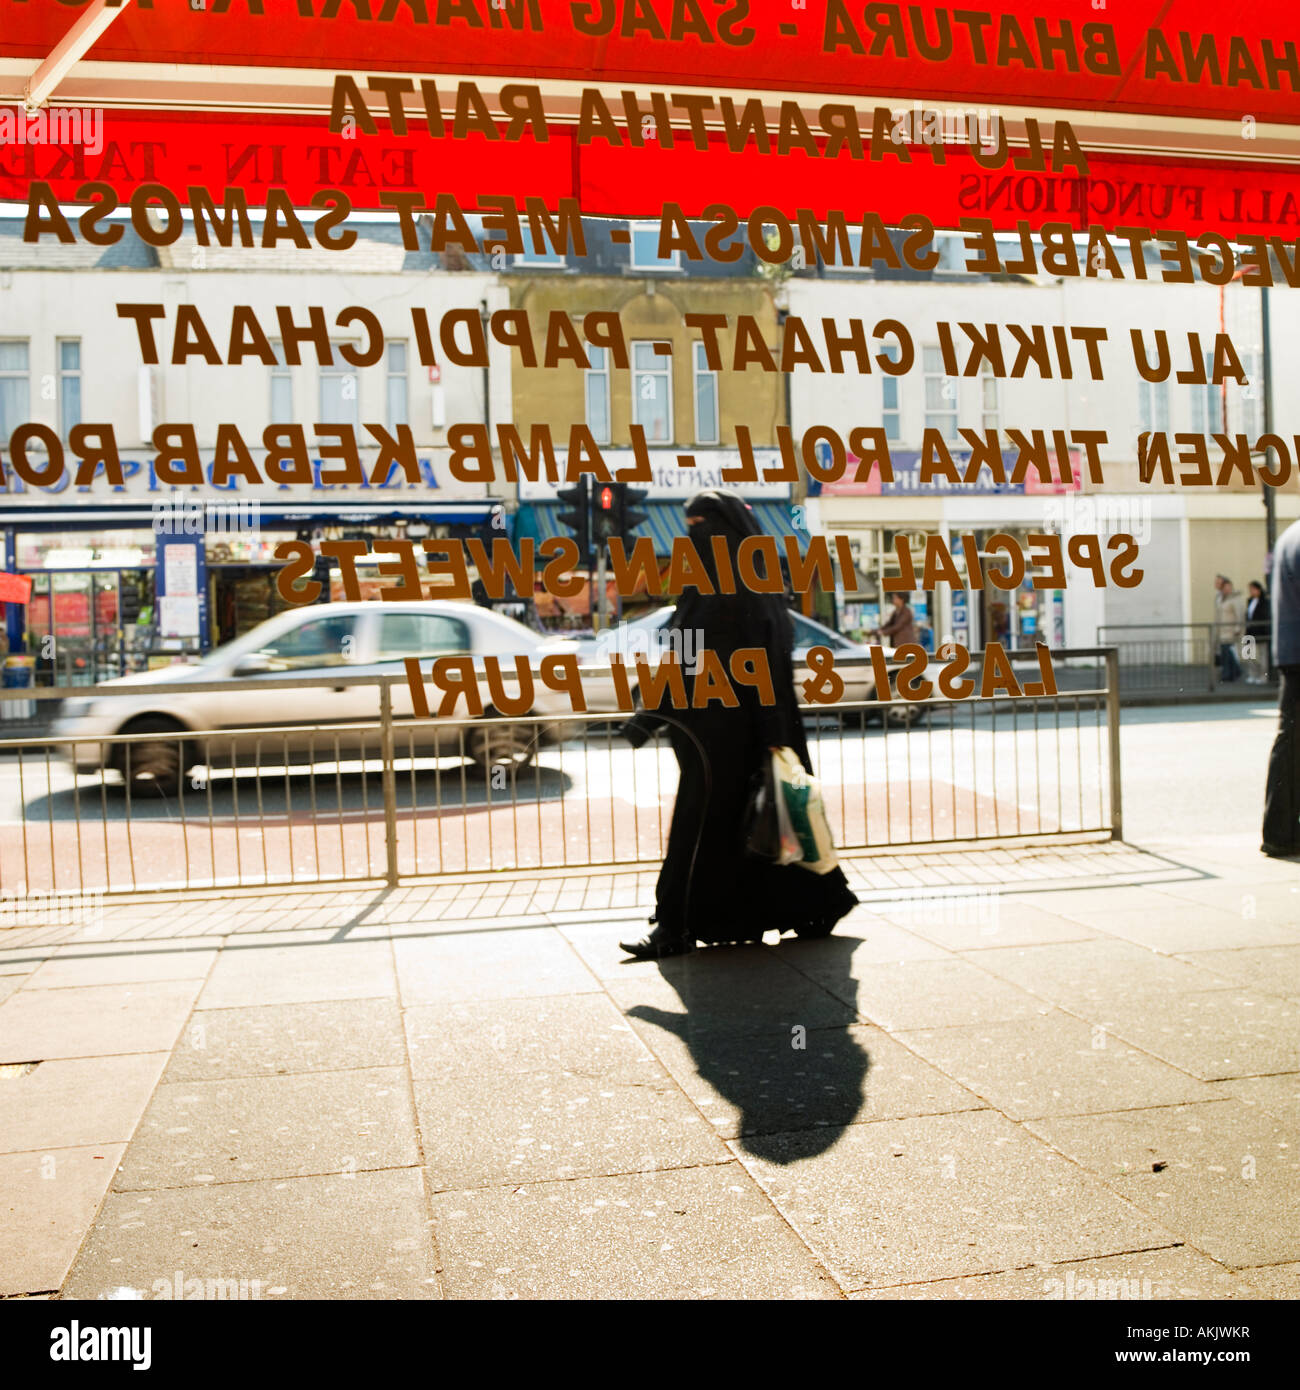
(493, 745)
(152, 768)
(902, 714)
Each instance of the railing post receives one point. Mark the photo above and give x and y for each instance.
(389, 779)
(1112, 727)
(1212, 647)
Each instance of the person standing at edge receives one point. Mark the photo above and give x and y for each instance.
(1282, 797)
(1229, 616)
(1259, 625)
(709, 889)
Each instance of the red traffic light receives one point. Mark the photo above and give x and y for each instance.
(607, 499)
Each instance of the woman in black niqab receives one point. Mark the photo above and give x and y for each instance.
(709, 889)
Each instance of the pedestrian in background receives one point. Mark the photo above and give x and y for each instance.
(1229, 626)
(900, 627)
(1259, 625)
(1282, 797)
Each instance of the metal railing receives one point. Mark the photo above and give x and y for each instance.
(1176, 659)
(393, 798)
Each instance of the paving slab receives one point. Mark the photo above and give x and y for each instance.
(273, 1039)
(313, 970)
(823, 1080)
(200, 1132)
(23, 960)
(75, 1102)
(742, 990)
(1213, 1035)
(362, 1236)
(1162, 923)
(453, 968)
(1270, 969)
(1073, 973)
(984, 920)
(690, 1233)
(931, 994)
(517, 1127)
(1053, 1065)
(1142, 1276)
(84, 965)
(940, 1196)
(47, 1202)
(580, 1034)
(94, 1021)
(1273, 1281)
(1223, 1176)
(1279, 1096)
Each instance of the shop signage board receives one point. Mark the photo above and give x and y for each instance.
(674, 480)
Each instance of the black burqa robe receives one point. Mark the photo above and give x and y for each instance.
(709, 887)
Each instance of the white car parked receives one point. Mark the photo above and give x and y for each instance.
(352, 639)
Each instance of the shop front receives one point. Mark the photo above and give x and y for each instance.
(124, 579)
(671, 484)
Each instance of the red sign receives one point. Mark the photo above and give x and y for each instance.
(15, 588)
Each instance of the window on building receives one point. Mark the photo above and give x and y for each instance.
(1153, 405)
(340, 387)
(281, 388)
(69, 384)
(645, 249)
(1207, 402)
(15, 386)
(398, 386)
(988, 399)
(652, 391)
(706, 397)
(940, 395)
(891, 417)
(597, 395)
(1247, 412)
(545, 258)
(855, 250)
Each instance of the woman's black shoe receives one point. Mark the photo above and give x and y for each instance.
(662, 942)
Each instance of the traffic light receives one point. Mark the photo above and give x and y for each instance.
(615, 512)
(578, 516)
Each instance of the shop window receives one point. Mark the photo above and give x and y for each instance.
(652, 392)
(420, 634)
(398, 386)
(890, 413)
(1153, 404)
(281, 388)
(706, 397)
(645, 249)
(940, 395)
(69, 384)
(15, 386)
(596, 389)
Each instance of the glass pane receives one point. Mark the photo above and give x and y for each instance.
(892, 429)
(933, 359)
(320, 642)
(70, 355)
(644, 357)
(13, 357)
(934, 397)
(650, 406)
(338, 398)
(596, 357)
(397, 404)
(281, 399)
(397, 357)
(598, 406)
(645, 246)
(13, 404)
(706, 409)
(889, 392)
(420, 634)
(69, 404)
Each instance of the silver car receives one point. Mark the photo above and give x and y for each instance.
(337, 639)
(646, 637)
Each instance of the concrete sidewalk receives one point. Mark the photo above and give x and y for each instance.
(1010, 1074)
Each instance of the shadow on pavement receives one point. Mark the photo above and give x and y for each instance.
(771, 1043)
